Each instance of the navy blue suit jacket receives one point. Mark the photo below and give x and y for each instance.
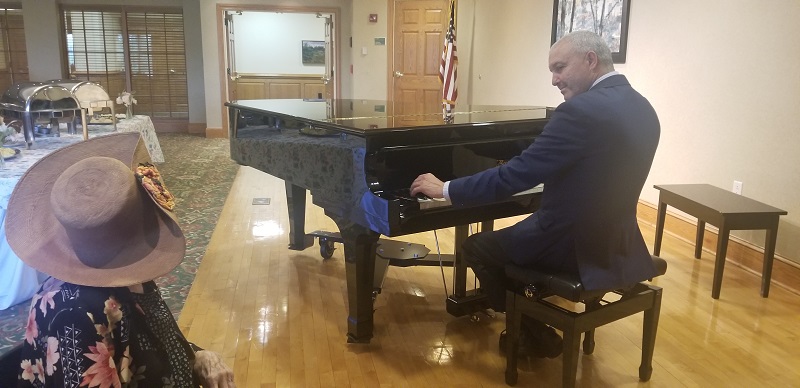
(593, 158)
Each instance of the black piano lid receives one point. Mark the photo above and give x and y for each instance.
(374, 121)
(367, 117)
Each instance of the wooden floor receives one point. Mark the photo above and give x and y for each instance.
(279, 318)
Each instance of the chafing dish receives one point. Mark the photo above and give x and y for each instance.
(90, 96)
(36, 103)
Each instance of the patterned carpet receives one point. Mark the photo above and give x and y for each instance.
(199, 172)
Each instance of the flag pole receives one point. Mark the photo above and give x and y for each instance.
(449, 65)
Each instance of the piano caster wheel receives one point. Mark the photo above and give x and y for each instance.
(474, 318)
(326, 248)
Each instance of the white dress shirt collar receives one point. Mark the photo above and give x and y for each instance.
(604, 76)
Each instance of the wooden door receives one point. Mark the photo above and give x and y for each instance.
(417, 42)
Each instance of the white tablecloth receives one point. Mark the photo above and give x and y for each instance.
(18, 282)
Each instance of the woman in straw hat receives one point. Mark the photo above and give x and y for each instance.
(97, 218)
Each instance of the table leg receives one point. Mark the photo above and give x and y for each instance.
(769, 255)
(698, 240)
(84, 125)
(719, 265)
(660, 216)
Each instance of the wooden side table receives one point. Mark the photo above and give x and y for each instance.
(725, 210)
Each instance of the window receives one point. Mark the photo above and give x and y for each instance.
(158, 63)
(140, 52)
(13, 54)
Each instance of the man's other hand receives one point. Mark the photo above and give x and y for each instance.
(429, 185)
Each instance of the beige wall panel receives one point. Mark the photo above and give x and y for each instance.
(284, 90)
(250, 89)
(313, 89)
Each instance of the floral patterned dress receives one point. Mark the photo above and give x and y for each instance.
(79, 336)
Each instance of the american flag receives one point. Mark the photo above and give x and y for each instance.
(449, 65)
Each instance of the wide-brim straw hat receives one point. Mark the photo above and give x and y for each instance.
(81, 215)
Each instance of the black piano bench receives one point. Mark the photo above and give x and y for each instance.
(527, 293)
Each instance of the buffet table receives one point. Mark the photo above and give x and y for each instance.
(18, 282)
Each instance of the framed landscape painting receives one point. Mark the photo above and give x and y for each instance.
(313, 52)
(607, 18)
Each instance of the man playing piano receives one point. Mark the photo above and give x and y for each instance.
(593, 158)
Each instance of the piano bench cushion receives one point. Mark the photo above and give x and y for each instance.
(565, 285)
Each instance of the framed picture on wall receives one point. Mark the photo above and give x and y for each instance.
(607, 18)
(313, 52)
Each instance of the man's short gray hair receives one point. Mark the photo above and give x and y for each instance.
(585, 41)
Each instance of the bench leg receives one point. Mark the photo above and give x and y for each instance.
(719, 265)
(588, 336)
(513, 322)
(572, 346)
(649, 330)
(698, 240)
(769, 255)
(660, 217)
(588, 342)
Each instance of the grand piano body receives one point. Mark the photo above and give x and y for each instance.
(358, 161)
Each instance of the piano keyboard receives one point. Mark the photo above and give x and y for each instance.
(432, 203)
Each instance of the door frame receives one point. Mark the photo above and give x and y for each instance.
(223, 52)
(390, 79)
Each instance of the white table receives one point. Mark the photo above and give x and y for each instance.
(18, 282)
(138, 123)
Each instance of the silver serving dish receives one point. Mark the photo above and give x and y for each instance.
(39, 105)
(91, 96)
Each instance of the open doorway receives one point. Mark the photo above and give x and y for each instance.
(273, 52)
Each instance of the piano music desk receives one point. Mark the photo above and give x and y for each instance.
(725, 210)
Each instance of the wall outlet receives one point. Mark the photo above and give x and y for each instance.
(737, 187)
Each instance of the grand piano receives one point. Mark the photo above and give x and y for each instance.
(358, 161)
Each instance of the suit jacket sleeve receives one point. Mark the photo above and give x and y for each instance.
(563, 141)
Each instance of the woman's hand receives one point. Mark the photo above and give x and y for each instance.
(212, 371)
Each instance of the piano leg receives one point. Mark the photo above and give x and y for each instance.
(359, 254)
(296, 202)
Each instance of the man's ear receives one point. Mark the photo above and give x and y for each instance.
(591, 57)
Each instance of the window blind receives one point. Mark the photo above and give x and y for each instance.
(13, 54)
(130, 50)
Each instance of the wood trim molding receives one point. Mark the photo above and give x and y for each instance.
(279, 76)
(197, 128)
(785, 273)
(170, 125)
(216, 133)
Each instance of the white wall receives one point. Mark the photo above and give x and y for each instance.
(41, 66)
(194, 63)
(728, 95)
(260, 35)
(370, 69)
(722, 75)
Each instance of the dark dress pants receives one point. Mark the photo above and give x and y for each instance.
(485, 254)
